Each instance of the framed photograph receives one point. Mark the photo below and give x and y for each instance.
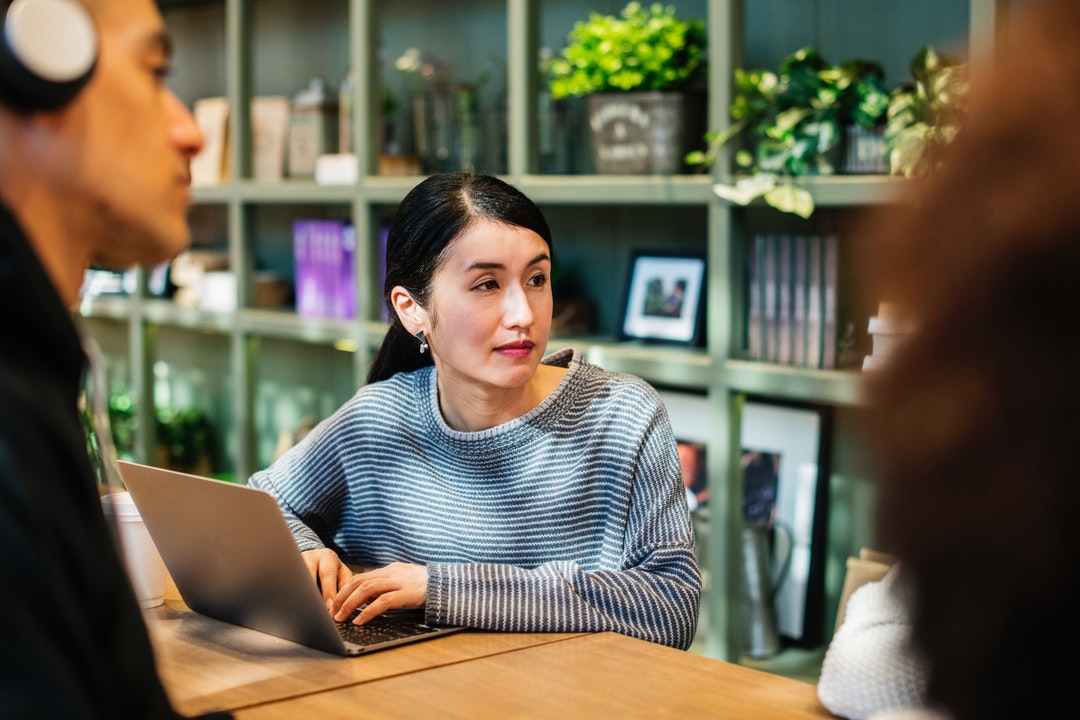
(694, 472)
(781, 462)
(665, 294)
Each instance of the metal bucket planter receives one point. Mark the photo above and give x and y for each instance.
(864, 151)
(644, 133)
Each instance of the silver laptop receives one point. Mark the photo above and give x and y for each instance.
(232, 557)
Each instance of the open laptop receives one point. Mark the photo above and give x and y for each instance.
(232, 557)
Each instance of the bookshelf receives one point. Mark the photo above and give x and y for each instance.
(258, 371)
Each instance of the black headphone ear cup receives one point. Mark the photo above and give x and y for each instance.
(48, 52)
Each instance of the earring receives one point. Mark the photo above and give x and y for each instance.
(423, 343)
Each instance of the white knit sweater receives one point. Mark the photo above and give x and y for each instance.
(869, 666)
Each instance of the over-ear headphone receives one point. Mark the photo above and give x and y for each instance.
(47, 53)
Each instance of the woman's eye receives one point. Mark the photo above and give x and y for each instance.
(487, 285)
(538, 280)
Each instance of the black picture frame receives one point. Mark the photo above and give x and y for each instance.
(664, 299)
(790, 500)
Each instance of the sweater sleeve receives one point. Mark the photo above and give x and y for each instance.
(654, 595)
(309, 482)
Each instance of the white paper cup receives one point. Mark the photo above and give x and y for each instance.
(144, 565)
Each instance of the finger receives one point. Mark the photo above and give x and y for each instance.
(358, 591)
(377, 606)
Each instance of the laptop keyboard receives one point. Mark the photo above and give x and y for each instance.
(380, 629)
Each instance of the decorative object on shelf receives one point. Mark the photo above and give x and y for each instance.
(792, 121)
(789, 440)
(190, 268)
(925, 113)
(211, 166)
(446, 115)
(313, 125)
(640, 75)
(792, 284)
(269, 129)
(887, 332)
(665, 297)
(323, 253)
(187, 441)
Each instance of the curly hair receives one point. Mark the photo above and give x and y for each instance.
(971, 423)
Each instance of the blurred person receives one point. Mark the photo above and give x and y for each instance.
(492, 486)
(94, 153)
(971, 422)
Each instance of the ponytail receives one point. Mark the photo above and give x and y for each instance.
(399, 352)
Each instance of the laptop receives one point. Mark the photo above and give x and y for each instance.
(233, 558)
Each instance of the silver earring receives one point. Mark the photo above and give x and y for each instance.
(423, 342)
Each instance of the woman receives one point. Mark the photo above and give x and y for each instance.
(972, 420)
(494, 488)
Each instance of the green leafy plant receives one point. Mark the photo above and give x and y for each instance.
(791, 123)
(925, 113)
(644, 48)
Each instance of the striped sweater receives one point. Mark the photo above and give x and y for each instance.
(569, 518)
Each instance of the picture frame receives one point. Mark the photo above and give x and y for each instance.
(664, 300)
(785, 443)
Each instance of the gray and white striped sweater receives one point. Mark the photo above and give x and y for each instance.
(572, 517)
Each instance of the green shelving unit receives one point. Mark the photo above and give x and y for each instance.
(242, 48)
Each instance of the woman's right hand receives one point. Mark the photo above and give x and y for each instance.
(328, 572)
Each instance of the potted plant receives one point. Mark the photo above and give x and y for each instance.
(791, 123)
(640, 73)
(925, 113)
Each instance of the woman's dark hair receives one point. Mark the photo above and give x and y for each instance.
(430, 217)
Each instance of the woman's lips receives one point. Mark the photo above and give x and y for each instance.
(516, 349)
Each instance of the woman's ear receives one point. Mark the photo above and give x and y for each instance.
(411, 314)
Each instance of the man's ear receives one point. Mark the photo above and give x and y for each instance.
(411, 314)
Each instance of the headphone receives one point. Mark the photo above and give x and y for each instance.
(48, 52)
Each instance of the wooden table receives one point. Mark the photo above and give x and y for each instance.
(206, 665)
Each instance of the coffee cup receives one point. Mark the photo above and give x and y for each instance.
(144, 564)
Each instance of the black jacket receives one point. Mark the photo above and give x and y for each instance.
(74, 644)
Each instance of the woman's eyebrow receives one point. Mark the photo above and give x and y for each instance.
(486, 265)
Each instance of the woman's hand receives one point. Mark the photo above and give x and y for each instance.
(398, 585)
(328, 572)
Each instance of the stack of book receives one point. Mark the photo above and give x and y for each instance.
(887, 332)
(324, 255)
(791, 313)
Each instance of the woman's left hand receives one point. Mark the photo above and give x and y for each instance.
(397, 585)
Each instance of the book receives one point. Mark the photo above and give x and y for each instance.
(799, 291)
(307, 281)
(784, 299)
(770, 302)
(814, 301)
(755, 293)
(830, 278)
(325, 263)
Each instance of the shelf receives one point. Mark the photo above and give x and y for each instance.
(832, 387)
(561, 189)
(599, 220)
(683, 368)
(850, 190)
(288, 325)
(110, 307)
(166, 312)
(618, 189)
